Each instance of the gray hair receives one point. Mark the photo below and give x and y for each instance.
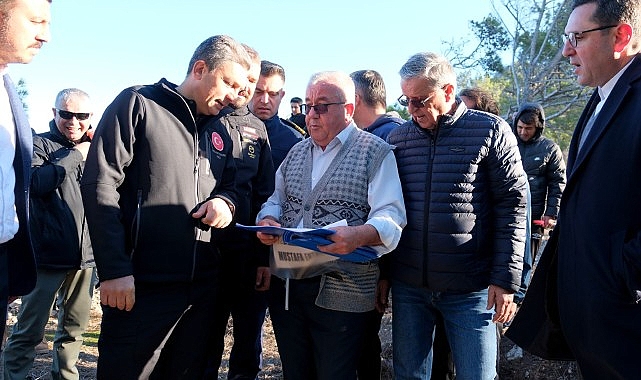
(344, 84)
(67, 94)
(612, 12)
(217, 50)
(435, 68)
(253, 54)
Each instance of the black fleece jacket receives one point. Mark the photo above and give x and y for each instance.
(151, 163)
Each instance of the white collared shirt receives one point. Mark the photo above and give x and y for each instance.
(606, 89)
(8, 216)
(385, 195)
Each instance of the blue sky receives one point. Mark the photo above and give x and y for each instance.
(103, 47)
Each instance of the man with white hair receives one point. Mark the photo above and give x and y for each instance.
(340, 172)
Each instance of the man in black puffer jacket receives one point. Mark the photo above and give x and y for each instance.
(545, 168)
(461, 253)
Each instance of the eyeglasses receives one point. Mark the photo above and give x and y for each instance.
(405, 101)
(70, 115)
(320, 108)
(572, 36)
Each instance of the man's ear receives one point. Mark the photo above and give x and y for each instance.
(349, 108)
(449, 92)
(54, 111)
(357, 100)
(622, 38)
(199, 69)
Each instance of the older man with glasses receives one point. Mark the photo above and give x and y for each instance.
(340, 172)
(461, 254)
(64, 255)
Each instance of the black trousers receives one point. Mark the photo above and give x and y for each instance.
(4, 290)
(128, 338)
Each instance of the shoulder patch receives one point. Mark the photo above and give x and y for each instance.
(217, 141)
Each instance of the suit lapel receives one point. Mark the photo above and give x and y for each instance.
(603, 121)
(24, 140)
(580, 126)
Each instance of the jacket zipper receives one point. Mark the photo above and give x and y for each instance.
(136, 221)
(198, 232)
(428, 197)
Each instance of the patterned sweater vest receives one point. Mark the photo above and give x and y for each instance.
(341, 193)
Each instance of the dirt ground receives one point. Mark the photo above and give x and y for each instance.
(514, 365)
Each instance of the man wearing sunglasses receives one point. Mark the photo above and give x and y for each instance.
(584, 301)
(340, 172)
(461, 253)
(24, 28)
(64, 256)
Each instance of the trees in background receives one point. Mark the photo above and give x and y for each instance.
(516, 56)
(21, 87)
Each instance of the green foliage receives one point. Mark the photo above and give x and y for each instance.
(527, 35)
(493, 40)
(402, 111)
(23, 93)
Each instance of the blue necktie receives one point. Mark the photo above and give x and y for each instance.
(588, 125)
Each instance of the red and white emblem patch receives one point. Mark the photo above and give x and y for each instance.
(217, 141)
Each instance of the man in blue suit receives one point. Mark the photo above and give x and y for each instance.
(24, 27)
(584, 302)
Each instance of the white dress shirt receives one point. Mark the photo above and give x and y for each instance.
(385, 195)
(8, 216)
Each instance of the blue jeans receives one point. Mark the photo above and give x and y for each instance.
(469, 328)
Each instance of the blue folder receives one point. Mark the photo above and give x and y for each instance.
(312, 239)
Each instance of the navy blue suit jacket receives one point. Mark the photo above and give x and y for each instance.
(585, 298)
(21, 262)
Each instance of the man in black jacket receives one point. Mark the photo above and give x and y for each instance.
(545, 168)
(156, 179)
(461, 253)
(245, 275)
(61, 241)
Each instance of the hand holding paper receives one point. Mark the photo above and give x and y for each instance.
(347, 243)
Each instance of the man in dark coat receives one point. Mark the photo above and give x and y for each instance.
(583, 302)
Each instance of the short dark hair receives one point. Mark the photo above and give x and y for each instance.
(612, 12)
(296, 99)
(531, 116)
(216, 50)
(371, 87)
(267, 69)
(482, 99)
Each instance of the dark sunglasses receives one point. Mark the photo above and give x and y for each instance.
(417, 103)
(70, 115)
(319, 108)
